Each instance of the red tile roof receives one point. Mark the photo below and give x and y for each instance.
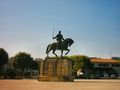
(99, 60)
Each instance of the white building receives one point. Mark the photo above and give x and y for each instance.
(105, 67)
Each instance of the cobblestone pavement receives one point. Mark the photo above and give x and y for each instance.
(76, 85)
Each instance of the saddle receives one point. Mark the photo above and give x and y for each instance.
(59, 45)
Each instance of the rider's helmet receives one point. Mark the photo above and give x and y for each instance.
(59, 32)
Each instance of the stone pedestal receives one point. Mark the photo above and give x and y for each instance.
(56, 70)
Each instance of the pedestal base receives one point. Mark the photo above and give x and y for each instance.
(56, 70)
(56, 78)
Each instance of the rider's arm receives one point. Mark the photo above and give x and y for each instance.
(54, 37)
(62, 38)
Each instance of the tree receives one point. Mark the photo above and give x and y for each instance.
(22, 61)
(34, 65)
(116, 58)
(80, 62)
(3, 57)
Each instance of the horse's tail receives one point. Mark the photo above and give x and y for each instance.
(48, 49)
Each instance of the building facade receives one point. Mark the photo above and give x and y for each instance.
(105, 68)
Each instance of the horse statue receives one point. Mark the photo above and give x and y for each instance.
(63, 46)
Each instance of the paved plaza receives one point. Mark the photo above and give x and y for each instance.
(76, 85)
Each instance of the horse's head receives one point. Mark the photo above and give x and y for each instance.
(69, 41)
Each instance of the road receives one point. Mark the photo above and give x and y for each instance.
(76, 85)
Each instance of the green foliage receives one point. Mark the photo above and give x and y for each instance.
(80, 62)
(3, 57)
(22, 61)
(116, 58)
(34, 65)
(10, 73)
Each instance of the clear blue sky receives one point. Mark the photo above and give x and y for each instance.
(94, 25)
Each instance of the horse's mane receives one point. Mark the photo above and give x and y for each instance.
(68, 39)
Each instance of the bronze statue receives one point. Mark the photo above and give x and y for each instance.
(63, 45)
(59, 38)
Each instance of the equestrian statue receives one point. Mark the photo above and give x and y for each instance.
(61, 44)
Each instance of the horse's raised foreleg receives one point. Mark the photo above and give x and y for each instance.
(54, 53)
(67, 51)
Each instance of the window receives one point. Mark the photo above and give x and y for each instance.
(103, 65)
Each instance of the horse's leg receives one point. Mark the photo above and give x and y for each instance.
(47, 54)
(48, 50)
(54, 53)
(61, 53)
(67, 51)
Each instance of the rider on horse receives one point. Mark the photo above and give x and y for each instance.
(59, 38)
